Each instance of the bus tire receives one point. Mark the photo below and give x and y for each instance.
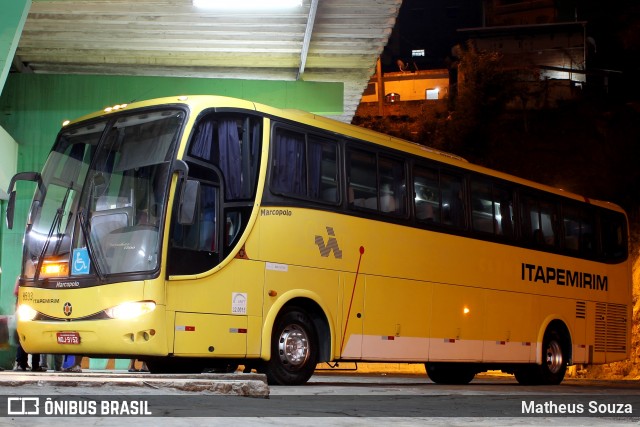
(554, 359)
(294, 349)
(527, 375)
(554, 363)
(450, 373)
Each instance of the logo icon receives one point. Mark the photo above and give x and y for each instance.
(23, 406)
(67, 309)
(330, 246)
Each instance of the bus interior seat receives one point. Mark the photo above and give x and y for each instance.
(424, 211)
(387, 203)
(106, 219)
(371, 203)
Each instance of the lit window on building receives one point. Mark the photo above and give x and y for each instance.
(433, 93)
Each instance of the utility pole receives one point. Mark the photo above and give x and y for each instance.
(380, 88)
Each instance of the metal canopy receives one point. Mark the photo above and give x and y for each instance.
(324, 40)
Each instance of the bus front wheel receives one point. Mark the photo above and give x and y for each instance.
(294, 349)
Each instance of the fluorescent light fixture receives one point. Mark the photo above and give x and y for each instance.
(247, 4)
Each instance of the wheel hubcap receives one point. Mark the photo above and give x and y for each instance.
(554, 357)
(293, 346)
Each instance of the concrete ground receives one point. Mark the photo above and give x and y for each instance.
(331, 398)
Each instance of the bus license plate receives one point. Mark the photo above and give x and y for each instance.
(68, 338)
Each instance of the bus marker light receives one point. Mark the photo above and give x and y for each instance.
(273, 293)
(54, 269)
(466, 310)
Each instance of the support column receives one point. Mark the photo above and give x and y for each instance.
(12, 19)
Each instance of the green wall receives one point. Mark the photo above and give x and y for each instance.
(12, 19)
(33, 107)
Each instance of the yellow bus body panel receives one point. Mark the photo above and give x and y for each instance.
(421, 295)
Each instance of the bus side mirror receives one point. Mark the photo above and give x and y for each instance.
(11, 207)
(21, 176)
(189, 197)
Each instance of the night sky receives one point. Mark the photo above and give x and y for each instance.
(432, 25)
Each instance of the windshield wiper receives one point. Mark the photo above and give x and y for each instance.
(87, 239)
(55, 224)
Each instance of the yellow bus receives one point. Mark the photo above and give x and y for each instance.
(204, 232)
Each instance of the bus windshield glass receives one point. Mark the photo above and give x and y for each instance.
(103, 197)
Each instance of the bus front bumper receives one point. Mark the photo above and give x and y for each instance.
(141, 336)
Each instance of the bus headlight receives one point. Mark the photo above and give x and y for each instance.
(130, 310)
(25, 313)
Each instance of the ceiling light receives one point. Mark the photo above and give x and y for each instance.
(247, 4)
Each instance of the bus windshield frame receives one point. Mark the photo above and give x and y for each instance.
(99, 213)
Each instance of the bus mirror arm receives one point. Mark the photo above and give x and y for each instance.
(181, 167)
(189, 193)
(22, 176)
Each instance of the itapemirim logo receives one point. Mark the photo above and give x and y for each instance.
(330, 246)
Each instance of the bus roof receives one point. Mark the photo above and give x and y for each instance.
(202, 102)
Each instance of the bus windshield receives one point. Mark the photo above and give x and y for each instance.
(101, 203)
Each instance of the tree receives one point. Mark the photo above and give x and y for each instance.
(484, 87)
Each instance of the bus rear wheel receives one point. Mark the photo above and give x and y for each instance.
(294, 349)
(450, 373)
(554, 359)
(554, 363)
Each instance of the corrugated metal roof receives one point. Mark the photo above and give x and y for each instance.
(173, 38)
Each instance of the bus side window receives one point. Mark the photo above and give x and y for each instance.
(579, 226)
(613, 229)
(305, 166)
(504, 212)
(361, 170)
(193, 246)
(453, 211)
(482, 207)
(492, 209)
(427, 195)
(539, 222)
(393, 186)
(289, 173)
(323, 169)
